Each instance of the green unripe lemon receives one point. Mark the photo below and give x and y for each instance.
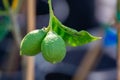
(31, 43)
(53, 48)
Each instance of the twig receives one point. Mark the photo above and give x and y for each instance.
(31, 26)
(15, 28)
(31, 14)
(13, 58)
(13, 16)
(17, 36)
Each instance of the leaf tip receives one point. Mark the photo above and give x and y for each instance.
(96, 38)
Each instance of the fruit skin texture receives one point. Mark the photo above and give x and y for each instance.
(31, 43)
(53, 48)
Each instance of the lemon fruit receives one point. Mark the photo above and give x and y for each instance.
(31, 43)
(53, 48)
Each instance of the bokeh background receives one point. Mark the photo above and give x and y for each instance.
(94, 61)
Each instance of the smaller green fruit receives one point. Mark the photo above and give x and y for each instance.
(31, 43)
(53, 48)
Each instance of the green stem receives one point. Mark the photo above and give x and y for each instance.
(6, 4)
(51, 14)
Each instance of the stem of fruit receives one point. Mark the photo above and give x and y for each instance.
(29, 69)
(51, 15)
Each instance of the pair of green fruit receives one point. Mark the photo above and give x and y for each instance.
(49, 43)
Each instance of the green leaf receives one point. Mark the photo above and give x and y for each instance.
(71, 36)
